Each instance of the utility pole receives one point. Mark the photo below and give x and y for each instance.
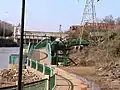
(21, 46)
(60, 30)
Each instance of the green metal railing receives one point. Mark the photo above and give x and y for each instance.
(44, 69)
(28, 62)
(39, 85)
(52, 82)
(33, 65)
(74, 42)
(13, 59)
(40, 67)
(48, 50)
(42, 44)
(9, 88)
(25, 46)
(47, 70)
(64, 60)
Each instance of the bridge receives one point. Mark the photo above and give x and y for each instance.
(52, 77)
(35, 36)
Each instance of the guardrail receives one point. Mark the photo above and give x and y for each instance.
(42, 44)
(74, 42)
(48, 83)
(14, 59)
(48, 50)
(48, 71)
(37, 85)
(41, 67)
(45, 84)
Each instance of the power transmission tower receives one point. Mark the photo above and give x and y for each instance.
(89, 13)
(89, 16)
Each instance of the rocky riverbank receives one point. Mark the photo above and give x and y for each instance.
(10, 77)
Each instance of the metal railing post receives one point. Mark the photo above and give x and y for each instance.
(47, 76)
(36, 65)
(43, 68)
(30, 63)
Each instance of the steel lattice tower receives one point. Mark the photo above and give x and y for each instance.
(89, 15)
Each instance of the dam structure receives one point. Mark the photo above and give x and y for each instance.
(34, 36)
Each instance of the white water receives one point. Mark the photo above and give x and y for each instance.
(5, 52)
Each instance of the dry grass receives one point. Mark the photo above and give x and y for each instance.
(105, 57)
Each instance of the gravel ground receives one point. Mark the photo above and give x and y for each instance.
(10, 77)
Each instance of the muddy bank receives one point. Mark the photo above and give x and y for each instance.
(89, 74)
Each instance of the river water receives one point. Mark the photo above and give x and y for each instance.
(5, 52)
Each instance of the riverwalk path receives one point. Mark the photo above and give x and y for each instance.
(64, 80)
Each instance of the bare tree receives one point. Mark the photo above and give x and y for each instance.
(118, 21)
(109, 19)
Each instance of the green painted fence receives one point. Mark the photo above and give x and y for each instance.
(33, 65)
(38, 85)
(9, 88)
(74, 42)
(42, 44)
(65, 60)
(52, 82)
(14, 59)
(25, 46)
(40, 67)
(28, 62)
(48, 50)
(47, 70)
